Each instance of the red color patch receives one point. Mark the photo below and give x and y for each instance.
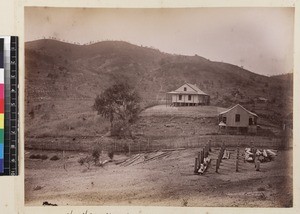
(1, 91)
(1, 106)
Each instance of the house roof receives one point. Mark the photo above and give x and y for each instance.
(186, 92)
(241, 107)
(195, 89)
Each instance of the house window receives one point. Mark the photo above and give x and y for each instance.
(237, 118)
(250, 121)
(224, 120)
(190, 97)
(184, 88)
(180, 97)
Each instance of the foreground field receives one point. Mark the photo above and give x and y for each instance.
(167, 181)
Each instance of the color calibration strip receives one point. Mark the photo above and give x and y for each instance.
(1, 105)
(9, 106)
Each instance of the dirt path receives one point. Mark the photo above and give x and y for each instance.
(168, 181)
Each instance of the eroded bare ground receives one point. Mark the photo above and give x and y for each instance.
(165, 181)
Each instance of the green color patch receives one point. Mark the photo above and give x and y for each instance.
(1, 135)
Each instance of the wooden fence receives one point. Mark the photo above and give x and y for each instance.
(152, 144)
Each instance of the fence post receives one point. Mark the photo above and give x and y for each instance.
(260, 144)
(209, 145)
(237, 159)
(219, 160)
(129, 149)
(64, 160)
(221, 152)
(139, 146)
(217, 165)
(220, 155)
(206, 151)
(196, 166)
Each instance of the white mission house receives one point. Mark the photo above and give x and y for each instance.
(188, 95)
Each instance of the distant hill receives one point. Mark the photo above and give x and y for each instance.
(63, 79)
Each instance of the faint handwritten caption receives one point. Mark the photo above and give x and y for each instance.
(85, 212)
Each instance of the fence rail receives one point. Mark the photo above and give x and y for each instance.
(149, 144)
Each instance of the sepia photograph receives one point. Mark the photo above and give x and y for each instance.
(182, 107)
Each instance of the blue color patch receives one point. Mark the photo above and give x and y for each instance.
(1, 150)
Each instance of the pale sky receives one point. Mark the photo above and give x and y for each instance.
(260, 39)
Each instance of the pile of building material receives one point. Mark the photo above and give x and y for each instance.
(226, 154)
(204, 165)
(202, 161)
(131, 160)
(263, 155)
(145, 157)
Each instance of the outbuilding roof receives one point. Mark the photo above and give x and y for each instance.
(241, 107)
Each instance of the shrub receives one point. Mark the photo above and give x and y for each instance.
(184, 202)
(37, 188)
(86, 161)
(38, 156)
(111, 155)
(54, 158)
(35, 156)
(212, 133)
(44, 157)
(261, 189)
(96, 155)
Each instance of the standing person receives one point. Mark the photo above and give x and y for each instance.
(253, 149)
(256, 159)
(257, 163)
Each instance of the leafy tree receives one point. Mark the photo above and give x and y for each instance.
(120, 104)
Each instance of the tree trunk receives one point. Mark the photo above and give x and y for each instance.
(111, 119)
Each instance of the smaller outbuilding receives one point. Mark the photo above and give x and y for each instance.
(238, 120)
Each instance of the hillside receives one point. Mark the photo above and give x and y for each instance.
(63, 79)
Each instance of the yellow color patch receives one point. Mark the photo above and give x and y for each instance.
(1, 121)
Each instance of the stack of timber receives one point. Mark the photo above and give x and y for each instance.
(146, 157)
